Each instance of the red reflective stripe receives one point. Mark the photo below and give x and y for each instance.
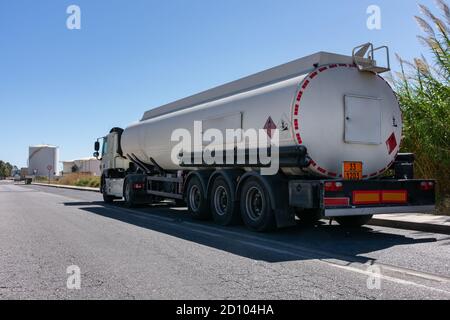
(296, 110)
(299, 96)
(296, 124)
(299, 139)
(333, 66)
(323, 69)
(313, 75)
(322, 170)
(305, 84)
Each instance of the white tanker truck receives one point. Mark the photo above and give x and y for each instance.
(338, 129)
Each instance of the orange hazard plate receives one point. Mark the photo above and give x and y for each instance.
(352, 170)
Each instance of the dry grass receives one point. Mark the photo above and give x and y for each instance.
(80, 180)
(74, 179)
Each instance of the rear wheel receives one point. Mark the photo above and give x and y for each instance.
(196, 200)
(256, 209)
(224, 210)
(353, 221)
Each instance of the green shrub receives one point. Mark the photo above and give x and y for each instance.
(423, 90)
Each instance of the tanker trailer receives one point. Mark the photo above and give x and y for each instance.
(332, 128)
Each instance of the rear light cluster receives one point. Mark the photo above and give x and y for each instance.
(425, 186)
(138, 186)
(334, 186)
(336, 202)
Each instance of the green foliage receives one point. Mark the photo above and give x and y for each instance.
(423, 90)
(5, 169)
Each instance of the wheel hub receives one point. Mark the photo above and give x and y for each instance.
(195, 198)
(220, 201)
(254, 203)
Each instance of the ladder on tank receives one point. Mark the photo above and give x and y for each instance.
(364, 58)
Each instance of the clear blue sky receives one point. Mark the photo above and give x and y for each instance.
(68, 87)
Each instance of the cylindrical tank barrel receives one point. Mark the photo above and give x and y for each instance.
(339, 113)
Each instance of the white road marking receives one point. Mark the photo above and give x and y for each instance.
(348, 268)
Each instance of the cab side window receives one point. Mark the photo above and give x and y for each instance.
(105, 146)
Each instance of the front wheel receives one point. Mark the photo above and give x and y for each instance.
(106, 198)
(353, 221)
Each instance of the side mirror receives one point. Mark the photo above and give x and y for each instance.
(96, 154)
(96, 146)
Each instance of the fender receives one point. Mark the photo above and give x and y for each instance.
(278, 188)
(136, 178)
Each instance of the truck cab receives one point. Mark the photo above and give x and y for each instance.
(114, 165)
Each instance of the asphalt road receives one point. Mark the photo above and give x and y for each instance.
(160, 253)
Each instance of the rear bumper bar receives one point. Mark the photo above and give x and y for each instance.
(376, 210)
(363, 197)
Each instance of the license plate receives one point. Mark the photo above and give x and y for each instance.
(352, 170)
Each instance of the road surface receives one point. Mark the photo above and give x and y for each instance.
(160, 253)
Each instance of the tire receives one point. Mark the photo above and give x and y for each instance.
(256, 209)
(106, 198)
(128, 195)
(353, 221)
(224, 210)
(196, 200)
(308, 217)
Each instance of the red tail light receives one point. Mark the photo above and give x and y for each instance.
(336, 202)
(334, 186)
(425, 186)
(138, 186)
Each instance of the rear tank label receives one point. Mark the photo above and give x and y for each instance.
(391, 143)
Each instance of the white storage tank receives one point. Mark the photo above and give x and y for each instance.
(42, 160)
(89, 166)
(85, 165)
